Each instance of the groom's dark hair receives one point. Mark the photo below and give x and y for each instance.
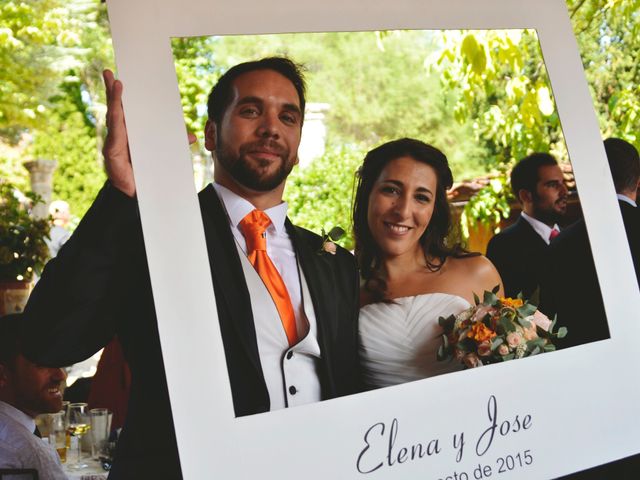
(221, 94)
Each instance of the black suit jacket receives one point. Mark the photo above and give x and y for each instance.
(570, 288)
(518, 253)
(98, 286)
(631, 219)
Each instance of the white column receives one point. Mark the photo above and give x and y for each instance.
(41, 173)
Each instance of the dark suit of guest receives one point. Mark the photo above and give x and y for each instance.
(570, 288)
(518, 252)
(631, 219)
(99, 286)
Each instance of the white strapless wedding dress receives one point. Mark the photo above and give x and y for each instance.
(399, 341)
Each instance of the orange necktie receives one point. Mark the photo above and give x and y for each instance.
(253, 228)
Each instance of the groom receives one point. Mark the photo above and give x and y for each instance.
(288, 315)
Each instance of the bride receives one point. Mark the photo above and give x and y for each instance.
(411, 276)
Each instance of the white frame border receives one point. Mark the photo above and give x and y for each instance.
(583, 408)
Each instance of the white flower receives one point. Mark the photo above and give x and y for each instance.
(329, 247)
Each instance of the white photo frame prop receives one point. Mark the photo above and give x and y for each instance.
(553, 414)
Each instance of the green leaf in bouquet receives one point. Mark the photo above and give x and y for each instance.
(489, 298)
(562, 332)
(442, 353)
(536, 342)
(476, 299)
(523, 322)
(447, 323)
(542, 333)
(487, 320)
(527, 310)
(506, 324)
(549, 347)
(495, 289)
(336, 233)
(466, 344)
(511, 356)
(535, 351)
(496, 342)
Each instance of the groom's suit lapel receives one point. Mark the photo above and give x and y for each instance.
(319, 274)
(226, 271)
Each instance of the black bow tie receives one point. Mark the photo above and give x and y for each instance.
(37, 433)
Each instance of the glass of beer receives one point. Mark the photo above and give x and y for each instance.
(58, 433)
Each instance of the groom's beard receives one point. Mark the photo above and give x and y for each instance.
(250, 172)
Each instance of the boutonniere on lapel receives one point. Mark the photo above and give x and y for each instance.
(328, 239)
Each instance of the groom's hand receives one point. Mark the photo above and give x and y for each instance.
(116, 145)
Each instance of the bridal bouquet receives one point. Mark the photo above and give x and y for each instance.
(496, 330)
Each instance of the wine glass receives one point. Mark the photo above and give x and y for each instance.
(78, 426)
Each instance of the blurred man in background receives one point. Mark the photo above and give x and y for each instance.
(519, 251)
(26, 391)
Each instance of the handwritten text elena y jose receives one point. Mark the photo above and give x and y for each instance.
(382, 447)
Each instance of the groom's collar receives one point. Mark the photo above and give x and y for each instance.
(238, 207)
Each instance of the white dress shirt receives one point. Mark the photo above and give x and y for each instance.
(279, 246)
(289, 372)
(541, 229)
(624, 198)
(20, 448)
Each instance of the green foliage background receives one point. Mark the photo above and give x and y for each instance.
(482, 97)
(52, 99)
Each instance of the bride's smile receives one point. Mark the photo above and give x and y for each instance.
(397, 229)
(401, 205)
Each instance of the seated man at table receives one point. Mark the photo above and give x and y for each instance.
(26, 391)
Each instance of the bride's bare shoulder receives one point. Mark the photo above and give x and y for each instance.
(479, 271)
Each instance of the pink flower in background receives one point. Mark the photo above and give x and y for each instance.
(484, 349)
(503, 350)
(514, 339)
(471, 360)
(530, 332)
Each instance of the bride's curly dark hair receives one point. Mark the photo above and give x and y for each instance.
(433, 240)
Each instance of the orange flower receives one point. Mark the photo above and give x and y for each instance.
(512, 302)
(480, 333)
